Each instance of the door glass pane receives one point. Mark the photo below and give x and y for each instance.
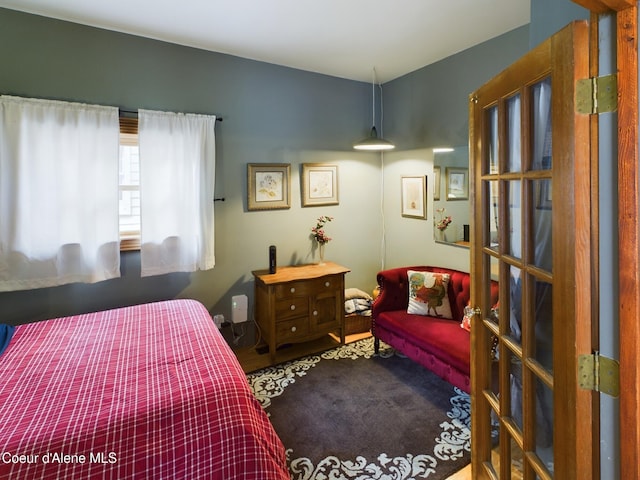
(517, 461)
(541, 125)
(515, 388)
(494, 218)
(514, 213)
(514, 163)
(515, 304)
(544, 424)
(496, 435)
(542, 231)
(495, 269)
(494, 316)
(492, 140)
(544, 324)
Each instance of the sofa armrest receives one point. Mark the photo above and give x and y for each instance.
(394, 290)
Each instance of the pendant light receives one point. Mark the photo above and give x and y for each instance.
(373, 143)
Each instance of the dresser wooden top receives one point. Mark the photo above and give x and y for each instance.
(299, 272)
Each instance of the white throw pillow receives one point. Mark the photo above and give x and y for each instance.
(428, 294)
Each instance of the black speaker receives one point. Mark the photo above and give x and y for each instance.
(272, 259)
(466, 233)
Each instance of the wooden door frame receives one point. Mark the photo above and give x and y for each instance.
(626, 12)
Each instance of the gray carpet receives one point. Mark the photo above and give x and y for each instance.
(350, 414)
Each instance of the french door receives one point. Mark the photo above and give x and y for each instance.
(531, 232)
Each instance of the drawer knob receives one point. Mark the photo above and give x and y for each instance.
(293, 329)
(327, 283)
(315, 313)
(293, 289)
(293, 307)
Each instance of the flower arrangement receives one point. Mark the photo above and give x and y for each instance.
(444, 222)
(318, 231)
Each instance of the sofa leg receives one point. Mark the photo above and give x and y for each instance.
(376, 345)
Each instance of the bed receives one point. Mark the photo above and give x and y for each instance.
(148, 391)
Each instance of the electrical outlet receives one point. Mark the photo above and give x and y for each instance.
(218, 320)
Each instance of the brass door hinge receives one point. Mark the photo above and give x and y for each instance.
(599, 373)
(597, 95)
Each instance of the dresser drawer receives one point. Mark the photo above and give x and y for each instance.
(294, 289)
(291, 307)
(291, 329)
(330, 283)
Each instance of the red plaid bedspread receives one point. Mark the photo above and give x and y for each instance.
(151, 391)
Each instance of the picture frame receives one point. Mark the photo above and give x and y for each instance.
(457, 180)
(319, 184)
(268, 186)
(436, 183)
(414, 196)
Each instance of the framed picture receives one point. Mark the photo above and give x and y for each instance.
(436, 183)
(319, 184)
(414, 197)
(268, 186)
(457, 183)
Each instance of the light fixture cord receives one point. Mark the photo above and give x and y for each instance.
(373, 103)
(373, 98)
(383, 240)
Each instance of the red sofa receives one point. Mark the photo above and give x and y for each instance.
(439, 344)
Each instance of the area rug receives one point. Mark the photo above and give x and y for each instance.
(350, 414)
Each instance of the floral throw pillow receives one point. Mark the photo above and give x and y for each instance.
(428, 294)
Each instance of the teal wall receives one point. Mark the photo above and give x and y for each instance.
(271, 114)
(550, 16)
(429, 107)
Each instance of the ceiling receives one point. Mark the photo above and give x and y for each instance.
(342, 38)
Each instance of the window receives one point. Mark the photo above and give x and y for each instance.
(182, 147)
(129, 185)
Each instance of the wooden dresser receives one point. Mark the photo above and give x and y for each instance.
(299, 303)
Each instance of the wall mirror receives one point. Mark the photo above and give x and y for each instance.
(451, 196)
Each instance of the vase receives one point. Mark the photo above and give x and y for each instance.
(321, 253)
(441, 236)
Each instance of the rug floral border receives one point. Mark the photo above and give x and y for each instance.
(452, 443)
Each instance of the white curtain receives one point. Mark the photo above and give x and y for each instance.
(177, 165)
(58, 193)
